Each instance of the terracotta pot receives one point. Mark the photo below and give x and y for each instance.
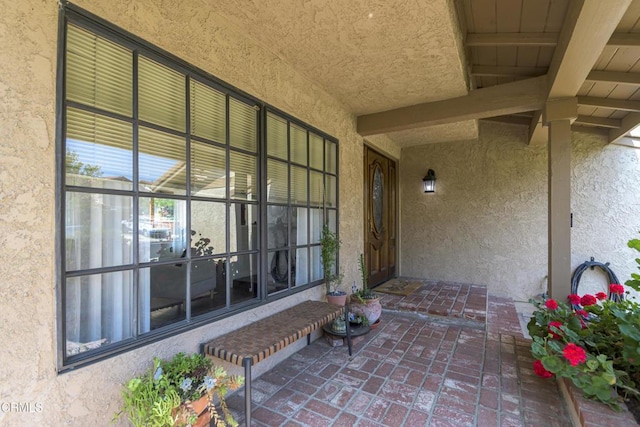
(371, 308)
(337, 299)
(199, 407)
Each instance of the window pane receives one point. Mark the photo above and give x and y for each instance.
(302, 267)
(243, 173)
(316, 225)
(298, 145)
(316, 151)
(161, 162)
(99, 151)
(299, 226)
(99, 72)
(278, 275)
(162, 295)
(299, 185)
(331, 159)
(208, 225)
(277, 225)
(244, 278)
(242, 125)
(208, 170)
(95, 232)
(332, 191)
(208, 288)
(316, 191)
(332, 218)
(99, 310)
(277, 182)
(162, 229)
(161, 95)
(276, 136)
(244, 227)
(316, 264)
(208, 113)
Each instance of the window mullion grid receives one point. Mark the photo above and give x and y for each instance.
(188, 195)
(290, 248)
(227, 226)
(136, 203)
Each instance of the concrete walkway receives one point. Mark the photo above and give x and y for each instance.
(446, 355)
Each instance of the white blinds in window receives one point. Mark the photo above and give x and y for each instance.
(276, 136)
(208, 113)
(161, 95)
(99, 73)
(242, 125)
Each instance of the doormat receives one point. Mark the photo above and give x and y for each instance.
(398, 287)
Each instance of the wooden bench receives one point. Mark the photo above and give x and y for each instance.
(253, 343)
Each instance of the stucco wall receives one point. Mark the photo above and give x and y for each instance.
(27, 195)
(487, 221)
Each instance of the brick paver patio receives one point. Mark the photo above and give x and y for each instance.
(472, 369)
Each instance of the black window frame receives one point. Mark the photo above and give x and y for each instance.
(84, 19)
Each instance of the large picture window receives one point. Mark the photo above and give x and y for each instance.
(162, 205)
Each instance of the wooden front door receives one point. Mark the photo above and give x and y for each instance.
(380, 217)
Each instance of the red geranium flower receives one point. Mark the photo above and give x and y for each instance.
(557, 325)
(540, 371)
(582, 313)
(574, 354)
(615, 288)
(601, 296)
(574, 299)
(551, 304)
(588, 300)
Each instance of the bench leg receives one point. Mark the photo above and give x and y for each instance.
(247, 362)
(348, 326)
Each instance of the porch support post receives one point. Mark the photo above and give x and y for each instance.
(558, 116)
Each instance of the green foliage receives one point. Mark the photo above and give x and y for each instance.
(163, 395)
(610, 336)
(75, 167)
(329, 254)
(634, 282)
(363, 294)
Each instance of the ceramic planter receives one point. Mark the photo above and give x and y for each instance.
(371, 308)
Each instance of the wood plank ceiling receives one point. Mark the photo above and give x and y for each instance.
(509, 40)
(589, 49)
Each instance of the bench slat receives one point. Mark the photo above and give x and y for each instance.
(267, 336)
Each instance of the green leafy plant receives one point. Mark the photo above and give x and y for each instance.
(634, 282)
(163, 396)
(329, 255)
(594, 342)
(363, 294)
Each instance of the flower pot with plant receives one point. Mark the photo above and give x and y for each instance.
(364, 300)
(329, 254)
(184, 391)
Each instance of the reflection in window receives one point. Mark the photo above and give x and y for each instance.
(162, 215)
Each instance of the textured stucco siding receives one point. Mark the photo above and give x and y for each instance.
(487, 221)
(28, 373)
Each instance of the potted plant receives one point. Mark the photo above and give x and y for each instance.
(179, 392)
(329, 254)
(364, 300)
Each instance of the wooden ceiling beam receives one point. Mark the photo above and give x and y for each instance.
(502, 71)
(588, 27)
(628, 123)
(624, 40)
(511, 39)
(540, 39)
(590, 129)
(500, 100)
(610, 104)
(510, 120)
(598, 121)
(618, 77)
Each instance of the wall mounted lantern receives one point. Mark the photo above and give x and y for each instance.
(429, 182)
